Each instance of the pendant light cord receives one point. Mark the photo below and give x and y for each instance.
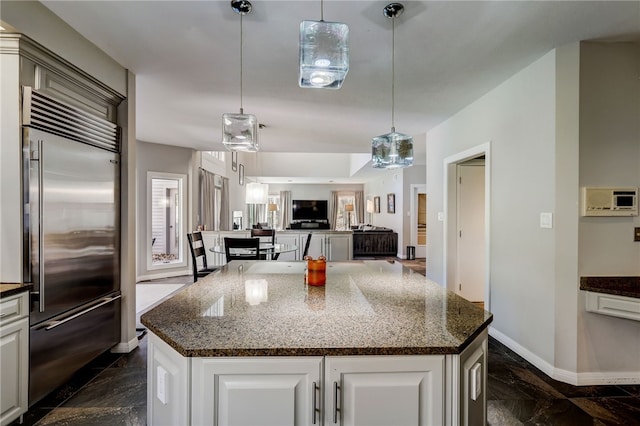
(393, 73)
(321, 11)
(241, 109)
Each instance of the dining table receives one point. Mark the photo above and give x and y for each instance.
(267, 249)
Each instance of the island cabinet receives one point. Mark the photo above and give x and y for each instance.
(14, 356)
(256, 391)
(376, 345)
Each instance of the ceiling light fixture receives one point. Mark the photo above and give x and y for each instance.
(257, 193)
(324, 53)
(240, 131)
(392, 150)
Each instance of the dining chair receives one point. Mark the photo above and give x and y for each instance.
(242, 248)
(198, 253)
(306, 245)
(265, 236)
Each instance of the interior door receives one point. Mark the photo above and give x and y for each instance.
(470, 268)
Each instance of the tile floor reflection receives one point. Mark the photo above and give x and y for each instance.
(111, 390)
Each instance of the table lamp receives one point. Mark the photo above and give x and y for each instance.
(273, 208)
(348, 208)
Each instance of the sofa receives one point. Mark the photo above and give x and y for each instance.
(374, 241)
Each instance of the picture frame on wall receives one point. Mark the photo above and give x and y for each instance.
(241, 174)
(234, 161)
(376, 204)
(391, 203)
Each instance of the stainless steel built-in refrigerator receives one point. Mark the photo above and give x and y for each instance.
(71, 238)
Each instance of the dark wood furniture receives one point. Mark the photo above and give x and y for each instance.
(198, 253)
(306, 245)
(242, 248)
(265, 236)
(375, 243)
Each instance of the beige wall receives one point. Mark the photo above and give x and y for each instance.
(546, 125)
(609, 156)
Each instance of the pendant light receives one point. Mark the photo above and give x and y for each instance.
(392, 150)
(324, 53)
(240, 131)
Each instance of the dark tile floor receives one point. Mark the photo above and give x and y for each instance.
(112, 391)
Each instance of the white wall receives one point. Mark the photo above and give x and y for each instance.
(609, 156)
(518, 119)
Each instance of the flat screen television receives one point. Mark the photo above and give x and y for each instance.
(310, 210)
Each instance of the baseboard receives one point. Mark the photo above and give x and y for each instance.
(566, 376)
(156, 276)
(125, 347)
(525, 353)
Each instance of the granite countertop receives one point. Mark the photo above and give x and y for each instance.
(621, 286)
(262, 308)
(9, 289)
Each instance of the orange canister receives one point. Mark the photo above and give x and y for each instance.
(316, 270)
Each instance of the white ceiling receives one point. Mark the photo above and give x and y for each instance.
(186, 56)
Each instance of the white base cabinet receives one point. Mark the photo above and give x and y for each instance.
(339, 247)
(256, 391)
(332, 390)
(14, 357)
(294, 240)
(385, 390)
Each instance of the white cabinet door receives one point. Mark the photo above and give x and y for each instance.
(394, 390)
(14, 350)
(256, 391)
(339, 247)
(14, 357)
(293, 239)
(317, 246)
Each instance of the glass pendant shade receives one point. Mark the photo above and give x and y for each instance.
(257, 193)
(240, 132)
(392, 150)
(324, 54)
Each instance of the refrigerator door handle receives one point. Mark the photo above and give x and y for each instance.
(49, 325)
(40, 291)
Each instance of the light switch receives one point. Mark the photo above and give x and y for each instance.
(440, 216)
(161, 384)
(476, 381)
(546, 220)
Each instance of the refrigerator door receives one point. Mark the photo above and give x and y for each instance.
(62, 345)
(73, 204)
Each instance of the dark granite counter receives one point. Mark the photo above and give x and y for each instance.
(262, 308)
(621, 286)
(9, 289)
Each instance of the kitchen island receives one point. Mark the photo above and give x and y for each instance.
(378, 344)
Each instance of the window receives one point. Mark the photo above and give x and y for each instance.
(165, 223)
(218, 155)
(344, 217)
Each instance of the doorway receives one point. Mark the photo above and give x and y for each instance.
(467, 218)
(470, 230)
(419, 219)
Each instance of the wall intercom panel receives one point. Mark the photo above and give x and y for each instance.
(609, 201)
